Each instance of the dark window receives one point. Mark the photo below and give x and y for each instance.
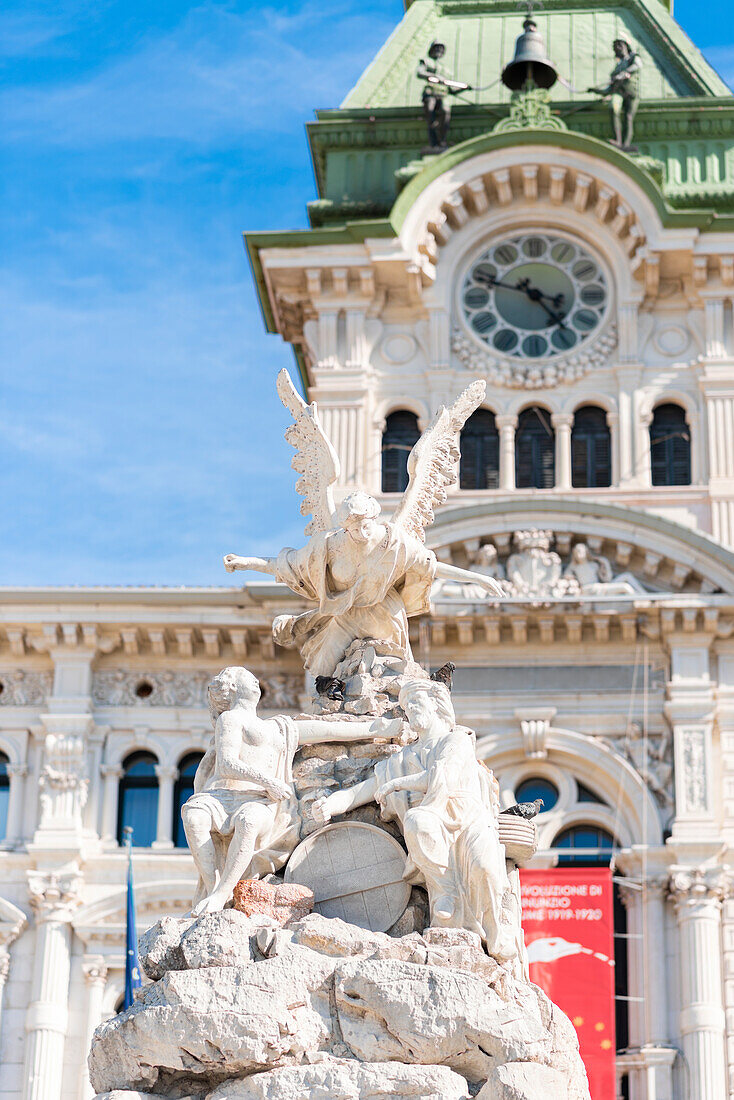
(400, 435)
(537, 787)
(594, 837)
(480, 452)
(670, 446)
(585, 794)
(591, 449)
(535, 450)
(184, 789)
(4, 795)
(138, 802)
(589, 837)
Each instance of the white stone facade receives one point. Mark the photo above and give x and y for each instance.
(630, 696)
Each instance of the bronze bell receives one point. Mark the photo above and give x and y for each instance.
(530, 61)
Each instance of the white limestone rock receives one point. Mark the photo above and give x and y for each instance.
(426, 1014)
(207, 1025)
(159, 948)
(226, 938)
(524, 1081)
(126, 1094)
(335, 937)
(221, 939)
(348, 1080)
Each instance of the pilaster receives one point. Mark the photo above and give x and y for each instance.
(95, 980)
(689, 709)
(697, 894)
(53, 898)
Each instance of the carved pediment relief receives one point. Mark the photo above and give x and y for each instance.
(537, 564)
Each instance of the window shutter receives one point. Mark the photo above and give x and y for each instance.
(400, 436)
(579, 460)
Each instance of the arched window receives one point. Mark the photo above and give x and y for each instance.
(400, 435)
(598, 845)
(670, 446)
(184, 789)
(4, 795)
(480, 452)
(591, 449)
(138, 801)
(535, 450)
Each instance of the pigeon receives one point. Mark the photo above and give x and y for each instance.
(444, 674)
(528, 810)
(331, 687)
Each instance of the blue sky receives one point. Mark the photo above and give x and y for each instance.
(140, 433)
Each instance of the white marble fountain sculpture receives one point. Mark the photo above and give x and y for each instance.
(409, 979)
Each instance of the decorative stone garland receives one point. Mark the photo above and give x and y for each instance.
(530, 374)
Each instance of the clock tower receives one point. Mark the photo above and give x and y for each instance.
(571, 242)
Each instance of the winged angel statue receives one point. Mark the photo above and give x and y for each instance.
(367, 576)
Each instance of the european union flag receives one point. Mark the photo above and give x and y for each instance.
(133, 980)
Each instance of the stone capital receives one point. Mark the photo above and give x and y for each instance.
(562, 420)
(94, 970)
(54, 896)
(691, 888)
(166, 771)
(505, 421)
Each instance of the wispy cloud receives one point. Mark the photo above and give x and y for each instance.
(219, 72)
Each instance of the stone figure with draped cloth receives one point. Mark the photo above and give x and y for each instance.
(446, 803)
(243, 819)
(367, 576)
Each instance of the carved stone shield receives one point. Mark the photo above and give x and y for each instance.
(355, 871)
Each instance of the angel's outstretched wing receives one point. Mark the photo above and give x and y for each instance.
(432, 462)
(315, 458)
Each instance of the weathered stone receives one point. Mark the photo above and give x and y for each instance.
(208, 1025)
(218, 939)
(159, 948)
(335, 937)
(285, 902)
(425, 1014)
(126, 1094)
(524, 1081)
(348, 1080)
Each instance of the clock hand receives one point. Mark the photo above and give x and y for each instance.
(531, 292)
(536, 295)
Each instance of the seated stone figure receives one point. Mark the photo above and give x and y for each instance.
(595, 575)
(243, 819)
(446, 803)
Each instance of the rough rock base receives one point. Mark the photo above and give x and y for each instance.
(241, 1009)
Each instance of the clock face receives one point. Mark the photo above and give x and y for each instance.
(534, 295)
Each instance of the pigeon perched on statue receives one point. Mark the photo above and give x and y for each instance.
(445, 674)
(528, 810)
(331, 687)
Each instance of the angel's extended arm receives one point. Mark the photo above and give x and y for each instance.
(260, 565)
(467, 576)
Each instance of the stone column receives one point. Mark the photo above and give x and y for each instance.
(698, 896)
(95, 977)
(16, 802)
(112, 774)
(53, 898)
(12, 923)
(563, 425)
(166, 779)
(506, 426)
(613, 425)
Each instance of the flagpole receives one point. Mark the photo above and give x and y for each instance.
(133, 980)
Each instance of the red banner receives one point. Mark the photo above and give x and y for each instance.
(568, 919)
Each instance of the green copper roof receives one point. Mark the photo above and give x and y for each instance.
(480, 39)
